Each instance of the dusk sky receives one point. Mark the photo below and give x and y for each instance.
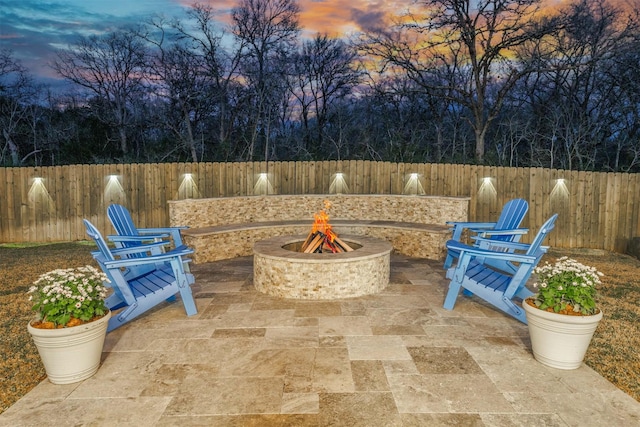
(34, 29)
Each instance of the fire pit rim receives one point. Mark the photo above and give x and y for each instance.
(273, 248)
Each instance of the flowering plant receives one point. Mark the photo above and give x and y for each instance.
(567, 286)
(69, 297)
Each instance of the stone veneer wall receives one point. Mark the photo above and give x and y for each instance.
(286, 274)
(434, 210)
(223, 228)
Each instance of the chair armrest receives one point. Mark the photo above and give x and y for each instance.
(471, 224)
(472, 251)
(457, 227)
(483, 243)
(180, 250)
(151, 259)
(161, 229)
(519, 231)
(139, 249)
(123, 238)
(173, 231)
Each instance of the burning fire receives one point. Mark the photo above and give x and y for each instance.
(322, 238)
(321, 222)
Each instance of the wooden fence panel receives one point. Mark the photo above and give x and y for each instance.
(612, 209)
(352, 172)
(384, 182)
(598, 231)
(576, 188)
(596, 210)
(625, 210)
(633, 206)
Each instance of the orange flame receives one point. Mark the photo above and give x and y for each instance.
(321, 222)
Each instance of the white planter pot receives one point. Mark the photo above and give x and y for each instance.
(71, 354)
(559, 340)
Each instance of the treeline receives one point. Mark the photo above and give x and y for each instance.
(501, 82)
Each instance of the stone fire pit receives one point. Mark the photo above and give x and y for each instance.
(280, 270)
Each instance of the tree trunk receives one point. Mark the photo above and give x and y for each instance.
(123, 139)
(480, 145)
(13, 149)
(190, 141)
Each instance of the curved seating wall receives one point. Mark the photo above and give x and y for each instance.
(227, 227)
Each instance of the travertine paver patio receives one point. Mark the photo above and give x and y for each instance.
(392, 359)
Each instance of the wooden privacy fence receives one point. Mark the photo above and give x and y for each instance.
(42, 204)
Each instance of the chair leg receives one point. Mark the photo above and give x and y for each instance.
(512, 309)
(448, 261)
(184, 287)
(452, 295)
(187, 300)
(122, 317)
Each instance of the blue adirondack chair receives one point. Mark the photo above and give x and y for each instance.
(129, 235)
(141, 283)
(505, 229)
(474, 274)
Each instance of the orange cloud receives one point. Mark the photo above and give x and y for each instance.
(333, 17)
(338, 17)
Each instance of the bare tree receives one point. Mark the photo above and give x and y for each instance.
(583, 95)
(267, 31)
(463, 50)
(110, 67)
(18, 109)
(325, 71)
(176, 70)
(219, 66)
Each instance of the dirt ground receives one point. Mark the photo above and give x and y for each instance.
(613, 351)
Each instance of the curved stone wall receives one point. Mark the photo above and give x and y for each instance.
(284, 273)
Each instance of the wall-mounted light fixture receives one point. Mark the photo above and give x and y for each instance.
(38, 195)
(188, 188)
(338, 184)
(413, 184)
(113, 191)
(560, 189)
(263, 185)
(487, 189)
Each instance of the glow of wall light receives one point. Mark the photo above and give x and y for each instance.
(113, 191)
(38, 195)
(188, 188)
(560, 190)
(487, 190)
(263, 185)
(413, 185)
(338, 184)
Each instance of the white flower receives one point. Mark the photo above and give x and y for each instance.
(58, 287)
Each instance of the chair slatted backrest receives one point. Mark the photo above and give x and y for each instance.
(511, 217)
(121, 220)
